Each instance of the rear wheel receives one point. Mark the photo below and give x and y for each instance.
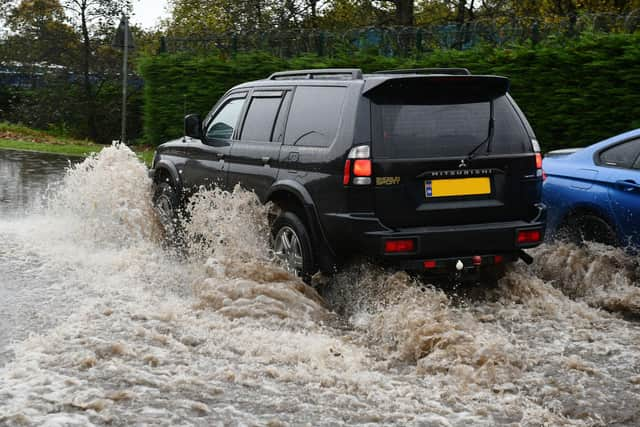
(292, 245)
(587, 227)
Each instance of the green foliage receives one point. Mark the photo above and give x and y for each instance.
(573, 93)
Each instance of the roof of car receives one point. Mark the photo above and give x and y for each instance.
(347, 76)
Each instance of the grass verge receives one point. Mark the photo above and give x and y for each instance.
(17, 137)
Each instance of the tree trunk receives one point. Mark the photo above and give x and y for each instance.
(460, 13)
(404, 13)
(314, 12)
(88, 92)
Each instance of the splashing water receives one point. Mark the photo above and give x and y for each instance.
(224, 335)
(108, 196)
(602, 276)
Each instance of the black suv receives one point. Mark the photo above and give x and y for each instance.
(431, 170)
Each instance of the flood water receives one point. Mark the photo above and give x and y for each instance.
(109, 325)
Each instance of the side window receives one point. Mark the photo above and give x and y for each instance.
(225, 120)
(261, 116)
(315, 116)
(622, 155)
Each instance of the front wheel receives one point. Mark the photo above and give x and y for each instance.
(167, 205)
(292, 245)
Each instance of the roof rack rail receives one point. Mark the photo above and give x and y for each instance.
(352, 73)
(453, 71)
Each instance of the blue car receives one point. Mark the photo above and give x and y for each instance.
(593, 193)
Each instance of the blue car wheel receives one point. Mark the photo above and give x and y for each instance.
(587, 227)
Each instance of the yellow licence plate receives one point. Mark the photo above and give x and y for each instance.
(457, 187)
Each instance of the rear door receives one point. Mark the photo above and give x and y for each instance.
(254, 158)
(622, 164)
(451, 151)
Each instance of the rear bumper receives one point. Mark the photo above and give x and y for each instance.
(447, 245)
(366, 235)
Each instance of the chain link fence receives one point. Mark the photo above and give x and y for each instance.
(399, 41)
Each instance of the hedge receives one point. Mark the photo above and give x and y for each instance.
(573, 92)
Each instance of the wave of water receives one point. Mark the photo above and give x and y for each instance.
(219, 333)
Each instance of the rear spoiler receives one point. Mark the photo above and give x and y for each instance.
(436, 89)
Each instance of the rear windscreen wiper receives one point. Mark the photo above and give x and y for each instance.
(489, 138)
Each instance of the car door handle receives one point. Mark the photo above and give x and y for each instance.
(266, 160)
(220, 155)
(628, 185)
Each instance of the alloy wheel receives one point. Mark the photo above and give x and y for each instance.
(288, 249)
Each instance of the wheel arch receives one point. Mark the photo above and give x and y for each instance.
(292, 195)
(166, 170)
(586, 208)
(589, 209)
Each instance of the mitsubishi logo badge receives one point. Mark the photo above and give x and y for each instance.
(463, 164)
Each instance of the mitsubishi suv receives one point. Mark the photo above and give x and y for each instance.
(428, 170)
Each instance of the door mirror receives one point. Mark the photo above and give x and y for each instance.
(193, 126)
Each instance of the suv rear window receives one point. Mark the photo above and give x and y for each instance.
(448, 130)
(315, 116)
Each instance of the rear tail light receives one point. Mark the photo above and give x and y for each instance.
(400, 245)
(529, 236)
(538, 161)
(362, 168)
(539, 171)
(358, 169)
(498, 259)
(476, 260)
(429, 264)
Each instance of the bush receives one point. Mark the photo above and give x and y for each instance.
(573, 92)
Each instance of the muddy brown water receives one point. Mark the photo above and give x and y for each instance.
(110, 326)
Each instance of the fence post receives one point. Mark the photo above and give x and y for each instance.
(535, 33)
(234, 44)
(320, 43)
(163, 45)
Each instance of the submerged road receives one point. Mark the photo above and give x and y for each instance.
(30, 301)
(109, 327)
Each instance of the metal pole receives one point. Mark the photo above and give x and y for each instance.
(125, 72)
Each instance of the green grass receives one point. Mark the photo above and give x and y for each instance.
(67, 149)
(18, 137)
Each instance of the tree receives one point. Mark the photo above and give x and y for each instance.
(89, 17)
(39, 33)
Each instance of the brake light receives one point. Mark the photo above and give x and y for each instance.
(397, 246)
(476, 260)
(498, 259)
(360, 158)
(362, 168)
(529, 236)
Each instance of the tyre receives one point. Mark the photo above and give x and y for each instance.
(292, 245)
(167, 204)
(588, 228)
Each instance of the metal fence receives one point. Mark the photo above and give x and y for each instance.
(398, 41)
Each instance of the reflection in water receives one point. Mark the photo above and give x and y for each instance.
(25, 176)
